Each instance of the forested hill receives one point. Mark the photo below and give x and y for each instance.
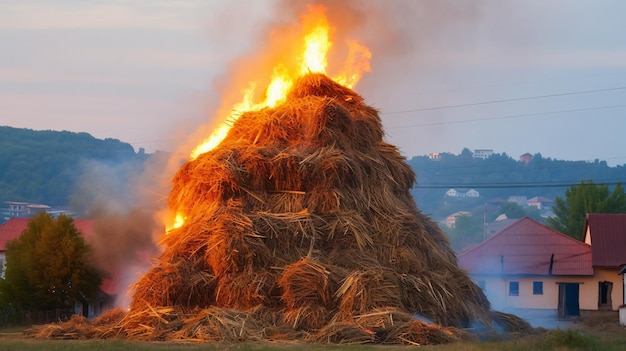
(501, 176)
(42, 166)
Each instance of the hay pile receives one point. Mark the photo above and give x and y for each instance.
(300, 225)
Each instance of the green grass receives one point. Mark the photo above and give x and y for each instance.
(561, 340)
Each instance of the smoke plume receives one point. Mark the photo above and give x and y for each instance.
(125, 200)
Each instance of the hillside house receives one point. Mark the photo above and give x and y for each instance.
(21, 209)
(110, 287)
(435, 156)
(529, 266)
(27, 210)
(526, 158)
(451, 219)
(482, 153)
(462, 193)
(542, 203)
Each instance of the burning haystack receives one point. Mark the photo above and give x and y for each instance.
(300, 225)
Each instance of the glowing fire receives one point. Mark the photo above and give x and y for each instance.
(316, 44)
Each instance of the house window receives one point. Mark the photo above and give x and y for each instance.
(482, 285)
(513, 288)
(537, 288)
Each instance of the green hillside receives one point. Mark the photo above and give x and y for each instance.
(45, 166)
(500, 176)
(42, 166)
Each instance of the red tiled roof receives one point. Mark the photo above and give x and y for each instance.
(608, 238)
(526, 247)
(10, 230)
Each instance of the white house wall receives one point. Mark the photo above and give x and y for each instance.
(497, 291)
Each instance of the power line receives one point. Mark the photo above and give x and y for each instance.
(512, 116)
(514, 185)
(503, 100)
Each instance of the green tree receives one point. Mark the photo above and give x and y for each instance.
(468, 230)
(48, 267)
(584, 198)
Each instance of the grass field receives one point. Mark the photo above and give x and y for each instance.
(593, 332)
(553, 340)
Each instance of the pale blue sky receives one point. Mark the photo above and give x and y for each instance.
(513, 76)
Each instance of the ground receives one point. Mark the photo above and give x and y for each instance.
(593, 330)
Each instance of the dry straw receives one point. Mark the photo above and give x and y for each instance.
(300, 225)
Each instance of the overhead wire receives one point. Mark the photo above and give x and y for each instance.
(510, 116)
(566, 184)
(503, 100)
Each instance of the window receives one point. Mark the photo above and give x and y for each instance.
(482, 285)
(513, 288)
(537, 288)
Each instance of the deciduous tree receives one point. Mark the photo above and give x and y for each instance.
(583, 198)
(48, 267)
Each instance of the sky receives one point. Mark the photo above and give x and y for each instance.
(531, 76)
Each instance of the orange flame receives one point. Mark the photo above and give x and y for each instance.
(316, 44)
(178, 222)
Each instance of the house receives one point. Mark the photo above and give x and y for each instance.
(542, 203)
(111, 286)
(451, 219)
(606, 233)
(462, 193)
(27, 210)
(526, 158)
(529, 266)
(22, 209)
(482, 153)
(472, 193)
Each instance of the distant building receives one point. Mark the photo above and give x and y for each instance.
(23, 209)
(451, 219)
(17, 209)
(526, 158)
(435, 156)
(542, 203)
(472, 193)
(462, 193)
(482, 153)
